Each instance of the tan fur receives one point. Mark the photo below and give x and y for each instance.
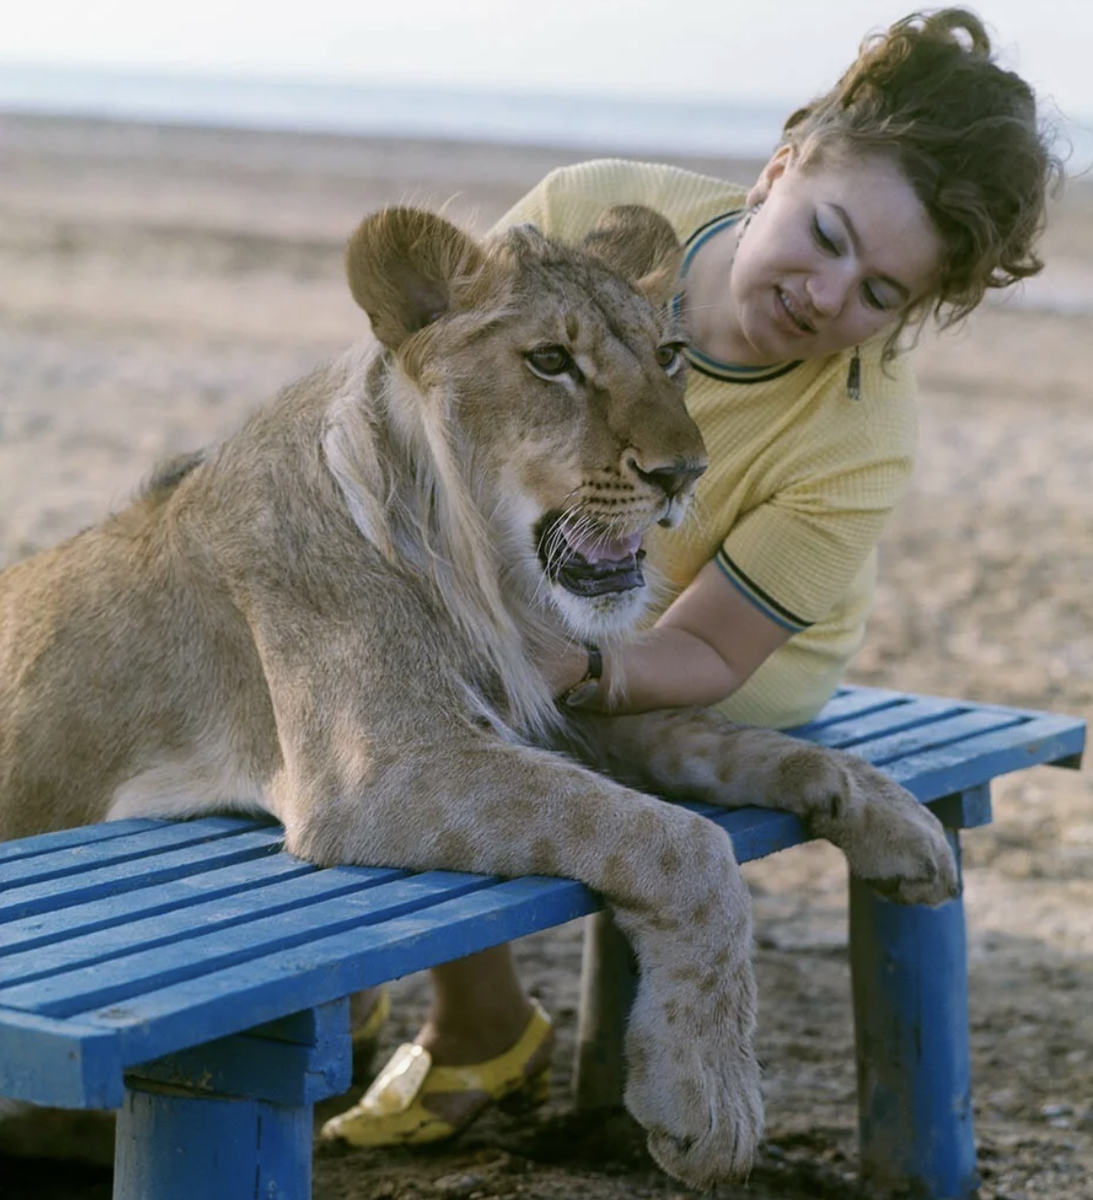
(338, 617)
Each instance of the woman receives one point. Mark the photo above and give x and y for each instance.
(913, 186)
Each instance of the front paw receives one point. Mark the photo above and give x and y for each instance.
(904, 853)
(696, 1091)
(725, 1152)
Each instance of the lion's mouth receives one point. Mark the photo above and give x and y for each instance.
(587, 560)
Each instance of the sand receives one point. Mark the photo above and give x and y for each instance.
(157, 283)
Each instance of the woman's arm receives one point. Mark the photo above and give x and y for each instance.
(708, 642)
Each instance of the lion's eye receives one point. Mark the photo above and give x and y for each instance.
(550, 360)
(668, 357)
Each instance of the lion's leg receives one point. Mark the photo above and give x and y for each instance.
(889, 839)
(670, 877)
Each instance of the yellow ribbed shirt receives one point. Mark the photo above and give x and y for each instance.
(801, 476)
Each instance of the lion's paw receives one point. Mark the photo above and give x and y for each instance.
(906, 856)
(699, 1101)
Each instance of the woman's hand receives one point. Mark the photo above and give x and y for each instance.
(567, 670)
(706, 645)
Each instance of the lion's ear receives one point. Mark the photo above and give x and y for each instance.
(640, 245)
(401, 264)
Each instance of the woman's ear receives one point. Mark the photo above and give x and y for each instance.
(777, 165)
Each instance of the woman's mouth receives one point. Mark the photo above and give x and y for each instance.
(791, 313)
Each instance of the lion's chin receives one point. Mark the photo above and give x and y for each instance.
(594, 615)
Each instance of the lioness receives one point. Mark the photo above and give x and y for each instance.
(337, 617)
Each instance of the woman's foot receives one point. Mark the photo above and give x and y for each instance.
(422, 1096)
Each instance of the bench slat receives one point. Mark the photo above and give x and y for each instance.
(756, 832)
(151, 968)
(157, 863)
(178, 927)
(951, 768)
(86, 854)
(858, 727)
(219, 881)
(83, 835)
(226, 1001)
(951, 729)
(852, 702)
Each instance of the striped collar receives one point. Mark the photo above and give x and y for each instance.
(706, 364)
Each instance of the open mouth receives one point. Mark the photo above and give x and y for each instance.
(588, 561)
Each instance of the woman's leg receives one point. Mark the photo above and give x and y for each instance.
(486, 1042)
(479, 1008)
(478, 1011)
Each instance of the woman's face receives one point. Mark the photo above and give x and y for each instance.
(839, 250)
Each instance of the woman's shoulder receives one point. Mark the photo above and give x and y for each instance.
(854, 403)
(883, 406)
(633, 176)
(569, 201)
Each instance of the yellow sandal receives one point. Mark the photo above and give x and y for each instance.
(393, 1111)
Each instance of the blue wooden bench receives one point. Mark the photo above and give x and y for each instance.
(193, 975)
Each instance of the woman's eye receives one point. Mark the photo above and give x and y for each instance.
(822, 239)
(879, 300)
(550, 360)
(668, 358)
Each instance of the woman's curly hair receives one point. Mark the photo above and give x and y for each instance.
(965, 133)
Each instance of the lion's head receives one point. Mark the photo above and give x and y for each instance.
(543, 385)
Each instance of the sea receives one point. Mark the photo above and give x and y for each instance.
(599, 123)
(592, 121)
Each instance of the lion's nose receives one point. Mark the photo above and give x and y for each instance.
(671, 478)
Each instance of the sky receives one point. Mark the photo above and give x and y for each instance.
(752, 50)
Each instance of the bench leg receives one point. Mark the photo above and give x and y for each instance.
(608, 983)
(178, 1147)
(910, 985)
(232, 1118)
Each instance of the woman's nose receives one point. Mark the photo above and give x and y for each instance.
(829, 287)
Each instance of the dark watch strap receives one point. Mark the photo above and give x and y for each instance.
(586, 687)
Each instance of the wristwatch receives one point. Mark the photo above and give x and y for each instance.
(584, 689)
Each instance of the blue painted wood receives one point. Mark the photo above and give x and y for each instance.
(912, 715)
(26, 896)
(910, 987)
(172, 1147)
(64, 1063)
(931, 773)
(79, 856)
(147, 939)
(309, 1027)
(145, 968)
(263, 1066)
(944, 727)
(956, 730)
(323, 969)
(966, 810)
(177, 895)
(757, 832)
(178, 928)
(46, 843)
(849, 702)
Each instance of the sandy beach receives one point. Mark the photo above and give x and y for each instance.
(157, 283)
